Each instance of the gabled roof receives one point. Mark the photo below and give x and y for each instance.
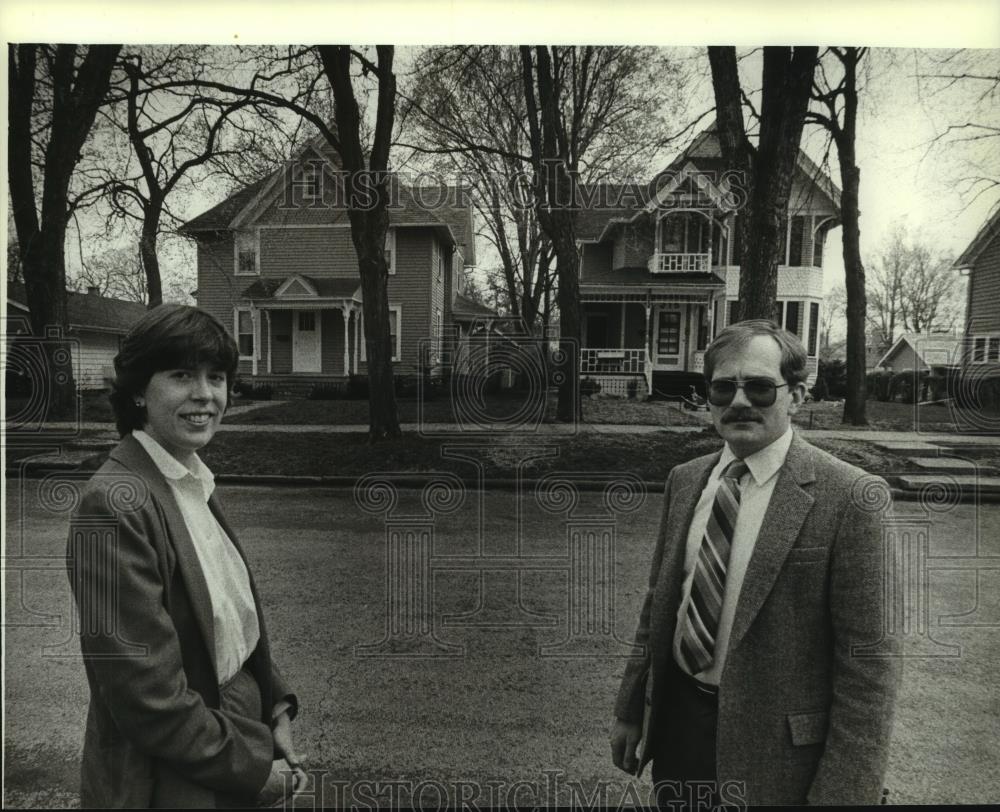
(990, 229)
(465, 309)
(934, 349)
(88, 311)
(324, 287)
(443, 212)
(633, 199)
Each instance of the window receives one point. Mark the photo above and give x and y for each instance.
(820, 241)
(311, 183)
(390, 250)
(442, 261)
(246, 253)
(986, 349)
(798, 227)
(245, 333)
(395, 320)
(813, 326)
(729, 311)
(307, 321)
(792, 323)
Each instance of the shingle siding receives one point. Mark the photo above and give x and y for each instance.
(984, 290)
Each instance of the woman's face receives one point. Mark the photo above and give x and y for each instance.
(184, 408)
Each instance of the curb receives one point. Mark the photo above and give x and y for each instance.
(416, 481)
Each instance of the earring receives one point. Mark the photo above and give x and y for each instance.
(140, 403)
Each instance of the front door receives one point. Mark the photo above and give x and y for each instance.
(305, 341)
(669, 343)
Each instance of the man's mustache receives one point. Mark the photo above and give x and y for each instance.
(741, 416)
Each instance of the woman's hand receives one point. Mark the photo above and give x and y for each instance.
(284, 748)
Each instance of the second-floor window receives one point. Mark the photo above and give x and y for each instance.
(246, 253)
(390, 250)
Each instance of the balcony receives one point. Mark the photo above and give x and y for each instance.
(680, 263)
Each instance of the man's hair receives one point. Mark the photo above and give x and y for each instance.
(735, 336)
(169, 336)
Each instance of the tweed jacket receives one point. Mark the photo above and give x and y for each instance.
(807, 691)
(155, 734)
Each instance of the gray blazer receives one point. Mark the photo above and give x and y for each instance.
(156, 736)
(804, 717)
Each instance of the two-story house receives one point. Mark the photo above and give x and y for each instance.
(659, 272)
(276, 261)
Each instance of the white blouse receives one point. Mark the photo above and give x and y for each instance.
(236, 627)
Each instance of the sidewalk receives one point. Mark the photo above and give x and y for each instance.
(877, 437)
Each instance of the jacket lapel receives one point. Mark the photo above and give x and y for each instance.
(786, 513)
(133, 456)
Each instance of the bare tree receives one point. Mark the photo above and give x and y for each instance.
(767, 167)
(365, 164)
(837, 103)
(912, 288)
(53, 96)
(117, 273)
(469, 113)
(833, 313)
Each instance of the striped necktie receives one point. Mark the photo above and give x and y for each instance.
(701, 621)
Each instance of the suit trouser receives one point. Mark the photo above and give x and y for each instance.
(684, 747)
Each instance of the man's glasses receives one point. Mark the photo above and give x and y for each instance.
(759, 391)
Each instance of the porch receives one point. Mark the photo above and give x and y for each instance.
(648, 344)
(300, 330)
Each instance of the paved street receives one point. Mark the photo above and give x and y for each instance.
(483, 704)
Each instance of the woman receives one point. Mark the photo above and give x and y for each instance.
(186, 707)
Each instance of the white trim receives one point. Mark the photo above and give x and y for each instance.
(289, 226)
(397, 354)
(309, 286)
(255, 332)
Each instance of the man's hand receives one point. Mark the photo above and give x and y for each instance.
(278, 789)
(624, 741)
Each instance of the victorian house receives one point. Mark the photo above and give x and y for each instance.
(659, 273)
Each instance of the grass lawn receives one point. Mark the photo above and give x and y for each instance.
(649, 456)
(445, 410)
(883, 416)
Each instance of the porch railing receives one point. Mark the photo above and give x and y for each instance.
(680, 263)
(595, 360)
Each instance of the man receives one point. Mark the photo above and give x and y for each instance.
(764, 676)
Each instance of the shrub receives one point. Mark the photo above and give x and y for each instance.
(834, 374)
(326, 390)
(253, 390)
(880, 384)
(820, 390)
(357, 387)
(589, 387)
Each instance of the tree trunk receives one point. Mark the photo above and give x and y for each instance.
(150, 260)
(768, 169)
(854, 269)
(368, 213)
(77, 94)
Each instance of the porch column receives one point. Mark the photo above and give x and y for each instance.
(357, 336)
(648, 366)
(346, 312)
(256, 340)
(267, 319)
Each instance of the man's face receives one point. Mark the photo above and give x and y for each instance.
(748, 428)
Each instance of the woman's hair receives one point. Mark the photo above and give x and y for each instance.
(169, 336)
(735, 336)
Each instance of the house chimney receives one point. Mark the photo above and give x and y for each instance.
(93, 290)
